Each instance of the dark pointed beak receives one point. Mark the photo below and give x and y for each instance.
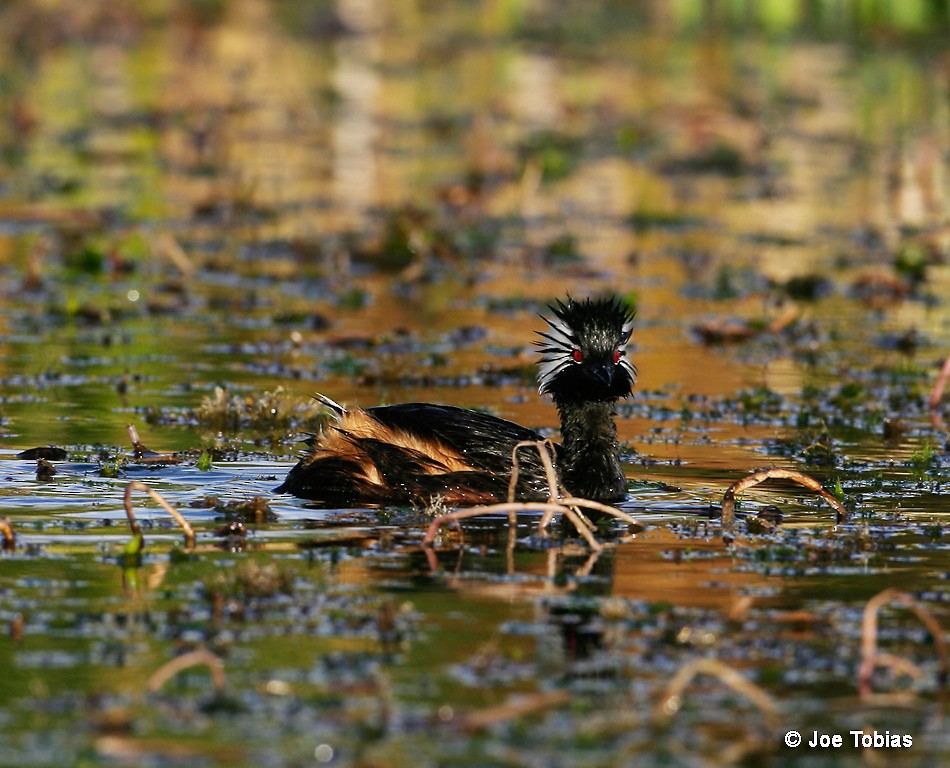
(604, 374)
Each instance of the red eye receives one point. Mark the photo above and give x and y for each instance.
(616, 356)
(577, 355)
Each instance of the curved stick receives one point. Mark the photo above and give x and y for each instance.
(191, 659)
(871, 658)
(729, 497)
(133, 523)
(669, 705)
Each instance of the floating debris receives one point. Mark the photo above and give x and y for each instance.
(47, 452)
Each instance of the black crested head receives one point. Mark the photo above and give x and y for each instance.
(584, 350)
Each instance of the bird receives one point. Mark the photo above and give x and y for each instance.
(416, 453)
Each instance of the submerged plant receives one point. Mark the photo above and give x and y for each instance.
(924, 456)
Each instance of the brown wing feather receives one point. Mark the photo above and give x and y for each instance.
(357, 425)
(413, 452)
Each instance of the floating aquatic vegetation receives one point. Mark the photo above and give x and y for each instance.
(645, 219)
(270, 411)
(555, 154)
(720, 158)
(255, 510)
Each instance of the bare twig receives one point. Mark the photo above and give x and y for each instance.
(191, 659)
(871, 658)
(729, 497)
(133, 523)
(545, 452)
(671, 701)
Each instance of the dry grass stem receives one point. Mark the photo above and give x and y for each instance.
(516, 706)
(133, 523)
(191, 659)
(171, 249)
(729, 497)
(670, 703)
(871, 659)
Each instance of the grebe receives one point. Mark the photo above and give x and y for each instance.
(414, 452)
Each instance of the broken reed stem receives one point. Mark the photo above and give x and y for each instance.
(729, 497)
(671, 702)
(569, 507)
(138, 450)
(169, 669)
(871, 658)
(9, 537)
(133, 523)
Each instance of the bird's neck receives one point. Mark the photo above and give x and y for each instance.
(590, 461)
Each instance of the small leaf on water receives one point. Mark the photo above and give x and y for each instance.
(133, 546)
(839, 490)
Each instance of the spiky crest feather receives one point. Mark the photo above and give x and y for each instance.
(594, 328)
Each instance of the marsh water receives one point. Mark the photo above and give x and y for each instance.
(211, 211)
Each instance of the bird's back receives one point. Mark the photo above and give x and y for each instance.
(413, 452)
